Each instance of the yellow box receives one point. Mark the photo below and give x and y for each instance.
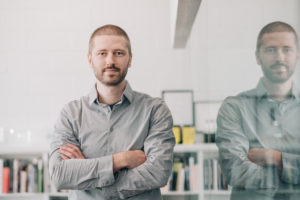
(177, 134)
(188, 135)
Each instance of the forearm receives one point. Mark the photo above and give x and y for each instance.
(152, 174)
(290, 168)
(243, 173)
(80, 173)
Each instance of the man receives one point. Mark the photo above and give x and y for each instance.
(114, 143)
(258, 132)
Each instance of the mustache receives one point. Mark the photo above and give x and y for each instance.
(278, 64)
(112, 67)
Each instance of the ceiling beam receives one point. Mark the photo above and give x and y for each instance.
(183, 14)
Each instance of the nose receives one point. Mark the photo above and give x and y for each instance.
(109, 59)
(280, 55)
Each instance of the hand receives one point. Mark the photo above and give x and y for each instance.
(264, 157)
(70, 151)
(135, 158)
(129, 159)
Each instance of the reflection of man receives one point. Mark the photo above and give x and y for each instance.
(259, 131)
(113, 143)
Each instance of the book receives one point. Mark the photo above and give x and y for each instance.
(23, 180)
(16, 176)
(5, 177)
(32, 178)
(193, 177)
(177, 166)
(215, 174)
(1, 175)
(40, 176)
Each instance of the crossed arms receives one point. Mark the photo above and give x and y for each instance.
(244, 167)
(121, 175)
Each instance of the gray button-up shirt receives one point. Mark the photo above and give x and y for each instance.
(253, 120)
(137, 122)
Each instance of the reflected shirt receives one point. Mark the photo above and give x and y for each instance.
(253, 120)
(137, 122)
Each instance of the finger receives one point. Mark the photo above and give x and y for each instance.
(72, 146)
(64, 157)
(76, 150)
(67, 153)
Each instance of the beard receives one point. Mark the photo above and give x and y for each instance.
(277, 76)
(113, 79)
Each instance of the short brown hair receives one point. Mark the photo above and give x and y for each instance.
(276, 26)
(109, 29)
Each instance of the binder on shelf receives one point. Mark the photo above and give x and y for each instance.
(177, 134)
(188, 135)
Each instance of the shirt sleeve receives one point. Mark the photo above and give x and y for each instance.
(290, 168)
(79, 174)
(155, 172)
(233, 146)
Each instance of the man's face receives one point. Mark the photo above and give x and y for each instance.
(110, 59)
(278, 56)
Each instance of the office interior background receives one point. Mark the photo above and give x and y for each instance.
(44, 44)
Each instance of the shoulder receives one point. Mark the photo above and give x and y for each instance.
(241, 98)
(239, 103)
(147, 100)
(74, 107)
(154, 105)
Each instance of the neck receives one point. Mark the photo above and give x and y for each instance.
(278, 91)
(110, 94)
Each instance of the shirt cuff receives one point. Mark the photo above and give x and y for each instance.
(105, 171)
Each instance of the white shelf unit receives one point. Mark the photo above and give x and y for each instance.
(25, 153)
(203, 151)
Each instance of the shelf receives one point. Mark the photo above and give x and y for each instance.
(59, 194)
(31, 150)
(217, 192)
(178, 193)
(33, 195)
(205, 147)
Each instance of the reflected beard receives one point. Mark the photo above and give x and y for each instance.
(277, 77)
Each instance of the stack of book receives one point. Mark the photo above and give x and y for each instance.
(184, 175)
(213, 176)
(20, 176)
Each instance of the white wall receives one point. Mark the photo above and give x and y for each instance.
(43, 46)
(222, 44)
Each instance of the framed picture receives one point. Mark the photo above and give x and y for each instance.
(180, 103)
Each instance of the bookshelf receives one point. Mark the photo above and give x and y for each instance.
(203, 151)
(199, 151)
(25, 156)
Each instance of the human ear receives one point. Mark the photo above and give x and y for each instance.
(257, 57)
(90, 60)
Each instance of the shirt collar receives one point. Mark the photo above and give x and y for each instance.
(127, 94)
(261, 91)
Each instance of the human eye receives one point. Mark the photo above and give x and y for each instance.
(287, 50)
(101, 53)
(270, 50)
(119, 53)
